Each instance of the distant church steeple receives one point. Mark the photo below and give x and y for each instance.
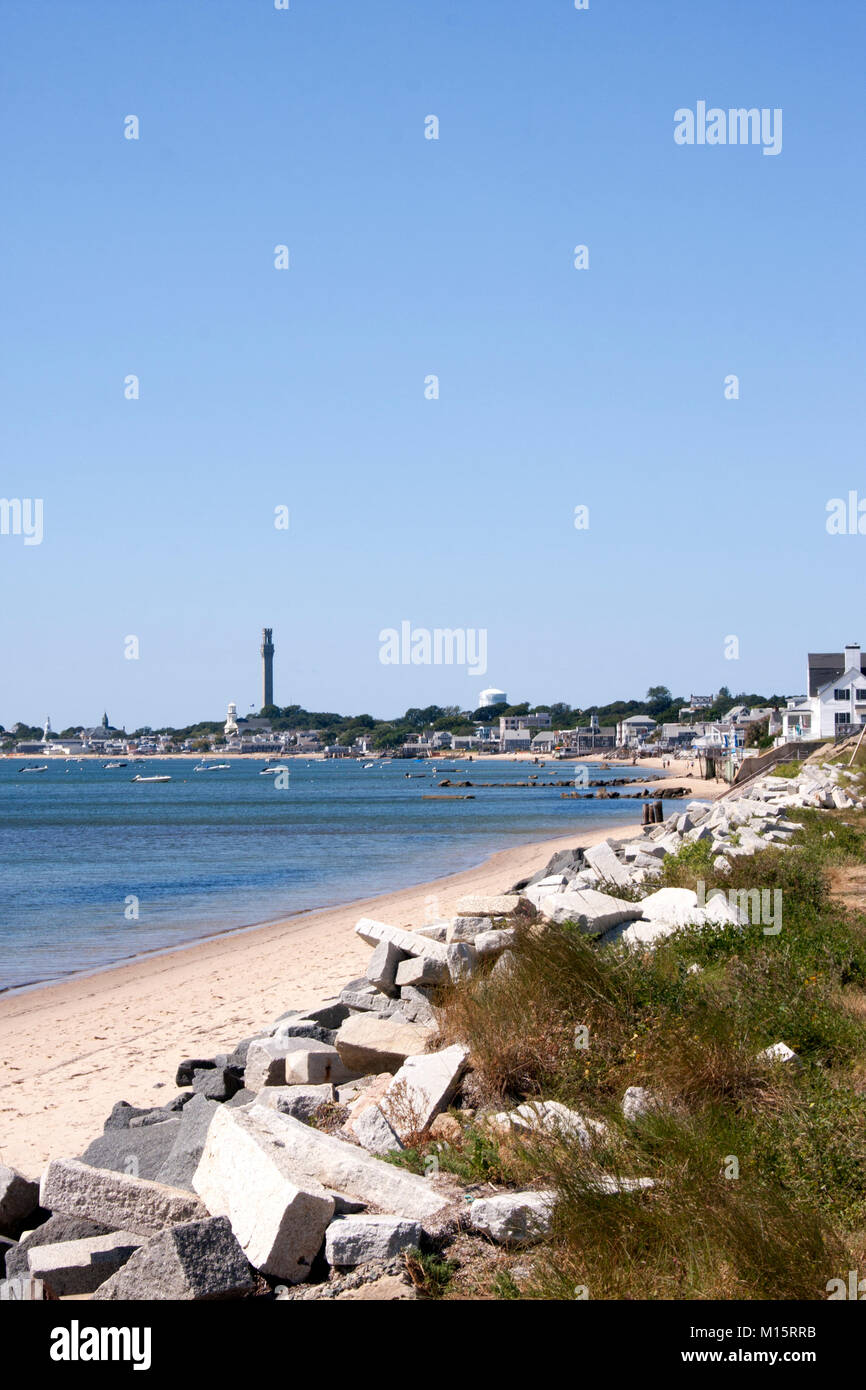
(105, 723)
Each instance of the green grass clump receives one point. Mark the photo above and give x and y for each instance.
(793, 1216)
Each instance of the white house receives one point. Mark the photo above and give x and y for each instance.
(634, 730)
(836, 699)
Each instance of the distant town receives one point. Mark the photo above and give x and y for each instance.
(834, 707)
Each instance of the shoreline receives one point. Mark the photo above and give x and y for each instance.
(71, 1048)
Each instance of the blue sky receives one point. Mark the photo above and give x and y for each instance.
(411, 257)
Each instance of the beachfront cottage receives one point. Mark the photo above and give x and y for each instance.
(634, 731)
(836, 701)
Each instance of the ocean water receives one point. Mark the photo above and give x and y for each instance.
(208, 852)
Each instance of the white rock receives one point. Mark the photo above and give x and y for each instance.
(781, 1052)
(311, 1156)
(490, 943)
(589, 909)
(411, 942)
(465, 928)
(422, 1088)
(487, 905)
(374, 1133)
(602, 858)
(245, 1173)
(514, 1218)
(638, 1101)
(352, 1240)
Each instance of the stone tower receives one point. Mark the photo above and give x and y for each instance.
(267, 666)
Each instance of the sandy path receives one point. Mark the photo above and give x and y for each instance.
(72, 1049)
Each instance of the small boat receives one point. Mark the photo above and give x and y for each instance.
(265, 771)
(210, 767)
(366, 765)
(138, 778)
(43, 768)
(111, 766)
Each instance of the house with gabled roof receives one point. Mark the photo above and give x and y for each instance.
(835, 702)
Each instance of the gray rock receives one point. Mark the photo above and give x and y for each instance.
(294, 1061)
(415, 1005)
(302, 1102)
(194, 1262)
(56, 1229)
(141, 1151)
(374, 1133)
(491, 943)
(383, 966)
(504, 965)
(123, 1114)
(369, 1000)
(466, 928)
(218, 1083)
(187, 1068)
(19, 1198)
(183, 1158)
(303, 1028)
(462, 960)
(565, 861)
(243, 1097)
(354, 1240)
(329, 1013)
(80, 1266)
(421, 970)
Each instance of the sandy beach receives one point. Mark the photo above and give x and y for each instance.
(72, 1049)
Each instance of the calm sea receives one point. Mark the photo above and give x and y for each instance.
(207, 852)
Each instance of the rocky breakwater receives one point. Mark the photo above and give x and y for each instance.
(266, 1172)
(271, 1173)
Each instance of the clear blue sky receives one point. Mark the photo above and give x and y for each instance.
(410, 257)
